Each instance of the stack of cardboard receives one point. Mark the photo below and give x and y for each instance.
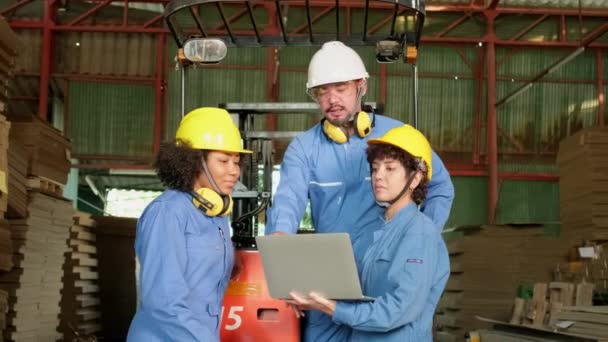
(17, 180)
(48, 153)
(34, 284)
(6, 247)
(583, 169)
(6, 263)
(487, 265)
(4, 171)
(80, 309)
(3, 310)
(8, 51)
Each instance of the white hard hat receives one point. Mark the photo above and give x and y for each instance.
(335, 62)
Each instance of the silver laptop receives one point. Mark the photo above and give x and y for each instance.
(323, 263)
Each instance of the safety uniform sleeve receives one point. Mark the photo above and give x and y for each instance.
(291, 196)
(440, 194)
(411, 275)
(162, 256)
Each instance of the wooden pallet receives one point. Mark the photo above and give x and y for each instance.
(45, 185)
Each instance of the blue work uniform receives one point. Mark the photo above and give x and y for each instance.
(405, 268)
(337, 180)
(186, 259)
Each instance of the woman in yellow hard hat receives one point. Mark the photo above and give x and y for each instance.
(404, 263)
(183, 238)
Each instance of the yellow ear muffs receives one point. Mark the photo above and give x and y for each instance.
(334, 133)
(363, 124)
(211, 202)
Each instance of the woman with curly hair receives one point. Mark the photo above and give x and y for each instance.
(183, 238)
(404, 262)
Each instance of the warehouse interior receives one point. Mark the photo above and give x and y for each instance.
(510, 93)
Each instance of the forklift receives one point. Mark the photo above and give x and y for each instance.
(202, 32)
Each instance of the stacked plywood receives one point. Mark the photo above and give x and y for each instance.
(583, 168)
(17, 180)
(488, 263)
(80, 309)
(6, 247)
(34, 284)
(3, 310)
(48, 153)
(8, 51)
(4, 171)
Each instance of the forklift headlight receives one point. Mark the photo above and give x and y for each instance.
(205, 50)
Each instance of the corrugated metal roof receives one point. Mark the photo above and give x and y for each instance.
(29, 56)
(557, 3)
(106, 54)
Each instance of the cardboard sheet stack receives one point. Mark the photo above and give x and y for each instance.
(6, 263)
(6, 247)
(488, 263)
(17, 180)
(80, 296)
(583, 185)
(34, 284)
(3, 311)
(8, 51)
(4, 133)
(48, 153)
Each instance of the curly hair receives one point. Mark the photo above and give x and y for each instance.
(178, 164)
(409, 162)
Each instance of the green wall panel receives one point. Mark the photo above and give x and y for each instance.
(111, 119)
(470, 201)
(210, 87)
(528, 202)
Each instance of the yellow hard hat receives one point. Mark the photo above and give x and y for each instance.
(410, 140)
(210, 128)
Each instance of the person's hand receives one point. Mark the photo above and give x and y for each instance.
(237, 268)
(314, 302)
(296, 308)
(279, 233)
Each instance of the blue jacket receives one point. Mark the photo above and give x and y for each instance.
(186, 259)
(405, 268)
(336, 179)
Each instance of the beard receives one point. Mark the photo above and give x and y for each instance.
(341, 122)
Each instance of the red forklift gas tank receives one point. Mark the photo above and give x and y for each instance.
(249, 314)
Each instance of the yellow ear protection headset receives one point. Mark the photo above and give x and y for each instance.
(361, 123)
(210, 201)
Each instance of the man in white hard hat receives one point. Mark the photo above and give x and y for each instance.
(327, 165)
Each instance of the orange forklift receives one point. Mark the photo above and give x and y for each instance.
(203, 30)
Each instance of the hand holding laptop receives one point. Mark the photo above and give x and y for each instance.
(315, 301)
